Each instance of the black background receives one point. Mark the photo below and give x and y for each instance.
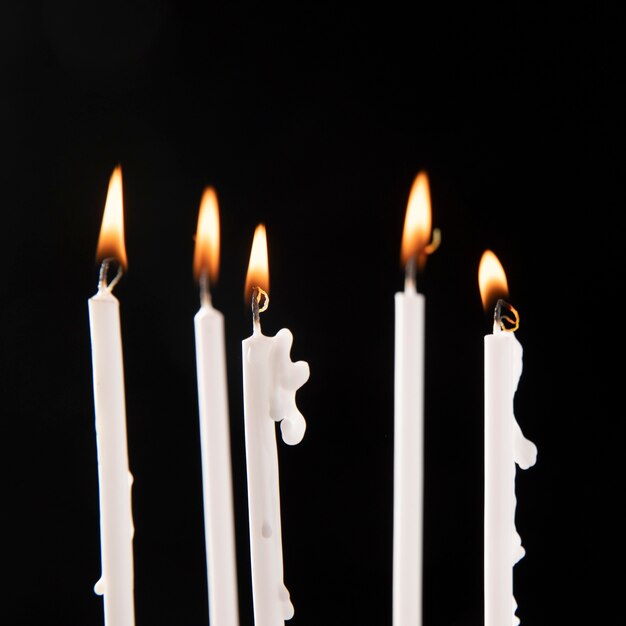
(313, 119)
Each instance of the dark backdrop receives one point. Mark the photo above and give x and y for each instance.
(313, 119)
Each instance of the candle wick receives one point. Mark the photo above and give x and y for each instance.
(434, 244)
(257, 295)
(103, 283)
(256, 316)
(509, 323)
(410, 272)
(205, 290)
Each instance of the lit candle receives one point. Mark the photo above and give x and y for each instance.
(270, 382)
(409, 411)
(505, 445)
(114, 477)
(214, 425)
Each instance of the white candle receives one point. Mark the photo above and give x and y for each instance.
(214, 426)
(115, 480)
(270, 381)
(505, 445)
(409, 413)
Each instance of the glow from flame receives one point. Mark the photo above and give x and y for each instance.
(417, 223)
(206, 257)
(491, 280)
(111, 240)
(258, 268)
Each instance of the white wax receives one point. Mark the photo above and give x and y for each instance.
(270, 381)
(216, 467)
(408, 459)
(504, 446)
(115, 480)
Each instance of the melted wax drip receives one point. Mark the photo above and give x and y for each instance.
(525, 455)
(288, 378)
(100, 587)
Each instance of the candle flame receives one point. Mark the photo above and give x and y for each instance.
(491, 280)
(258, 268)
(206, 258)
(417, 223)
(111, 241)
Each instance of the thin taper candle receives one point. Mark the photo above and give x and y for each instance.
(116, 526)
(270, 381)
(505, 445)
(409, 411)
(214, 425)
(408, 457)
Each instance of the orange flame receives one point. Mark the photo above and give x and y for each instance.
(258, 268)
(491, 280)
(206, 257)
(417, 223)
(111, 240)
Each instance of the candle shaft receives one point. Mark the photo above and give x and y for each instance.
(115, 480)
(216, 467)
(500, 382)
(408, 459)
(272, 605)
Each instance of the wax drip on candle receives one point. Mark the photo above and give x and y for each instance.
(524, 450)
(525, 456)
(103, 284)
(289, 376)
(100, 586)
